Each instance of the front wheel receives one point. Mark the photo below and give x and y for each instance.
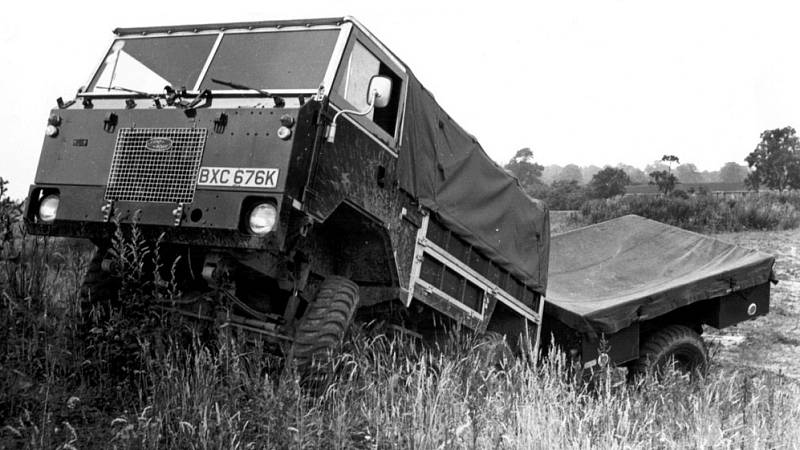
(99, 289)
(322, 327)
(673, 347)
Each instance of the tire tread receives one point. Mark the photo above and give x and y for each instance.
(325, 322)
(658, 346)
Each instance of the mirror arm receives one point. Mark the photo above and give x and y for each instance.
(332, 127)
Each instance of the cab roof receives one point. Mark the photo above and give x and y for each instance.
(331, 21)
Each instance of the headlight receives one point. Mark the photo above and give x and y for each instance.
(51, 130)
(48, 208)
(262, 218)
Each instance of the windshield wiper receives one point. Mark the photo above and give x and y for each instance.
(242, 87)
(153, 97)
(279, 101)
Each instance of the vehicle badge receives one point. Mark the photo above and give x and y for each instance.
(158, 144)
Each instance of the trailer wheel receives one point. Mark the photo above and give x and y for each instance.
(321, 330)
(677, 344)
(98, 288)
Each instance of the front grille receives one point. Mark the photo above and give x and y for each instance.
(156, 174)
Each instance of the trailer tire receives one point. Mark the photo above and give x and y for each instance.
(676, 343)
(321, 329)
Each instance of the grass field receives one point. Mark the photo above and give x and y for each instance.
(155, 383)
(772, 342)
(651, 189)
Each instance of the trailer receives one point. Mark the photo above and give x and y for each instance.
(635, 292)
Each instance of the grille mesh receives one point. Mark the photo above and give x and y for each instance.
(142, 175)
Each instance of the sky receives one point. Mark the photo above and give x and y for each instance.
(583, 82)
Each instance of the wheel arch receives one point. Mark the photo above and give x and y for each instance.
(355, 244)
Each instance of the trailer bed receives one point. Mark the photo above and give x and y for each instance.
(607, 276)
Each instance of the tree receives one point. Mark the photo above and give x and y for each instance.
(550, 173)
(588, 172)
(656, 166)
(688, 173)
(776, 161)
(522, 166)
(609, 182)
(636, 174)
(571, 172)
(565, 195)
(710, 176)
(732, 173)
(665, 179)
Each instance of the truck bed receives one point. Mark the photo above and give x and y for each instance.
(607, 276)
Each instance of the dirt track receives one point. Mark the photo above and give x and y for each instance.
(771, 342)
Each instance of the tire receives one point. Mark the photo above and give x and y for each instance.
(98, 289)
(322, 328)
(676, 343)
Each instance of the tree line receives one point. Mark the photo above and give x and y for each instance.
(688, 173)
(774, 164)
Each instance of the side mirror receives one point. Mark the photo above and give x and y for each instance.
(378, 95)
(380, 88)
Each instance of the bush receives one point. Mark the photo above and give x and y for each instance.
(770, 211)
(561, 195)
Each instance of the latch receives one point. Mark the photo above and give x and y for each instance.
(110, 122)
(62, 104)
(220, 123)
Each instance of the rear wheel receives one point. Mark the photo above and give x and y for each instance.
(494, 351)
(321, 330)
(675, 346)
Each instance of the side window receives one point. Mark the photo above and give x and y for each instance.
(353, 81)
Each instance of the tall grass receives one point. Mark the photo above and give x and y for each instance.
(388, 393)
(702, 213)
(181, 390)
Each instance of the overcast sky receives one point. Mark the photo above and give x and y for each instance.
(585, 82)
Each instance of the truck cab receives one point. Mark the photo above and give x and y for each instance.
(304, 171)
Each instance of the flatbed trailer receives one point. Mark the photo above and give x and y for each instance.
(626, 279)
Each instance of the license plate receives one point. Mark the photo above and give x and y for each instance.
(238, 177)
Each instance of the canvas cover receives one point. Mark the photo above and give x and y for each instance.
(448, 172)
(607, 276)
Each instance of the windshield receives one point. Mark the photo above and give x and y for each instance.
(264, 60)
(278, 60)
(149, 64)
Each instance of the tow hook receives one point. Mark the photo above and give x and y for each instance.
(177, 213)
(108, 210)
(109, 264)
(216, 270)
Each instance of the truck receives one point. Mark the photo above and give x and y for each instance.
(304, 176)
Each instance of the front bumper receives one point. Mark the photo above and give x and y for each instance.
(213, 219)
